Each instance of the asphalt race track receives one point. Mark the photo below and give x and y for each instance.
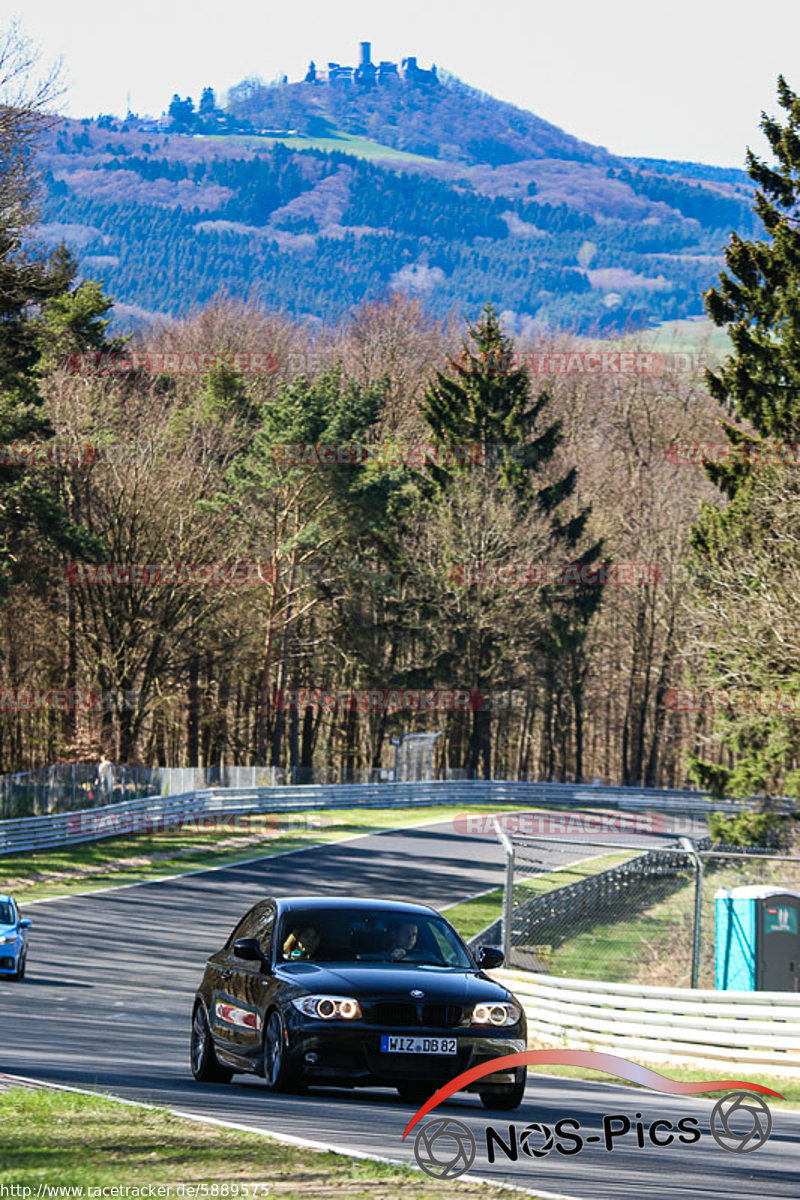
(107, 1004)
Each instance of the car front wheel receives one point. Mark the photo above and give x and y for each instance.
(205, 1066)
(506, 1096)
(277, 1075)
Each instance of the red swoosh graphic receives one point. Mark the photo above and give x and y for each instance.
(611, 1064)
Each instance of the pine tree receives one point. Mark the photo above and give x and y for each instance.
(743, 551)
(485, 402)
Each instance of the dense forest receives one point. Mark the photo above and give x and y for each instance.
(392, 526)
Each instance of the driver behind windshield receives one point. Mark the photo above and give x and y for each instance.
(403, 939)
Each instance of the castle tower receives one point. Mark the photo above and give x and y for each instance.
(366, 71)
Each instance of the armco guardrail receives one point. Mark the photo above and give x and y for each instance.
(698, 1026)
(152, 812)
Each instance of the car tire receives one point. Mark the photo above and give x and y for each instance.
(21, 968)
(275, 1062)
(415, 1093)
(507, 1096)
(205, 1066)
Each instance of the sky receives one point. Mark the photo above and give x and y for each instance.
(685, 81)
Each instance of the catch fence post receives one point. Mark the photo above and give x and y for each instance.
(690, 848)
(508, 890)
(508, 904)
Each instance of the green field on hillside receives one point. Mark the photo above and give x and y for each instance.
(341, 142)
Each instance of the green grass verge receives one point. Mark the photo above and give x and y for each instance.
(471, 916)
(112, 861)
(650, 940)
(70, 1140)
(627, 950)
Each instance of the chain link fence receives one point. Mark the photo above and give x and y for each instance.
(72, 786)
(622, 913)
(67, 787)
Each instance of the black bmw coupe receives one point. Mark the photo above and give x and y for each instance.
(355, 993)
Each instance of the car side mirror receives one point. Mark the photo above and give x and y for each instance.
(249, 949)
(490, 957)
(25, 923)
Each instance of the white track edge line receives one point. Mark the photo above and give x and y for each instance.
(287, 1138)
(246, 862)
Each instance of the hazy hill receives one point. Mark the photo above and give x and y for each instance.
(453, 122)
(441, 191)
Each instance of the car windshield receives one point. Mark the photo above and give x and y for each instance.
(7, 914)
(368, 936)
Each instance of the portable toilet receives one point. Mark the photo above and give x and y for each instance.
(757, 939)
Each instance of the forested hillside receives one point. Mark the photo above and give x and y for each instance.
(489, 202)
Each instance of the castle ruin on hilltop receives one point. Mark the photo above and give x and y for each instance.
(368, 75)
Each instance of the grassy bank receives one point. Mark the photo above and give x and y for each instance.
(70, 1140)
(472, 916)
(651, 942)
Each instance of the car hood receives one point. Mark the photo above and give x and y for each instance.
(6, 929)
(446, 984)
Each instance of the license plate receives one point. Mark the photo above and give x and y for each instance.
(394, 1044)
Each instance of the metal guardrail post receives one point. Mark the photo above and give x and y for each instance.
(690, 848)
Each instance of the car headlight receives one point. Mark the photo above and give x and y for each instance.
(502, 1013)
(6, 938)
(329, 1008)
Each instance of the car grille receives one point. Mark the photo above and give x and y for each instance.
(390, 1015)
(439, 1016)
(6, 964)
(428, 1016)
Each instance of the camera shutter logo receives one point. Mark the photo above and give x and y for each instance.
(740, 1122)
(444, 1148)
(527, 1140)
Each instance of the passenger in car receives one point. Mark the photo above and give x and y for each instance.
(301, 943)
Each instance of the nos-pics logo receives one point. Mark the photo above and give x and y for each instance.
(445, 1148)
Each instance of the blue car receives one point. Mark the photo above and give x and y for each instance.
(13, 939)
